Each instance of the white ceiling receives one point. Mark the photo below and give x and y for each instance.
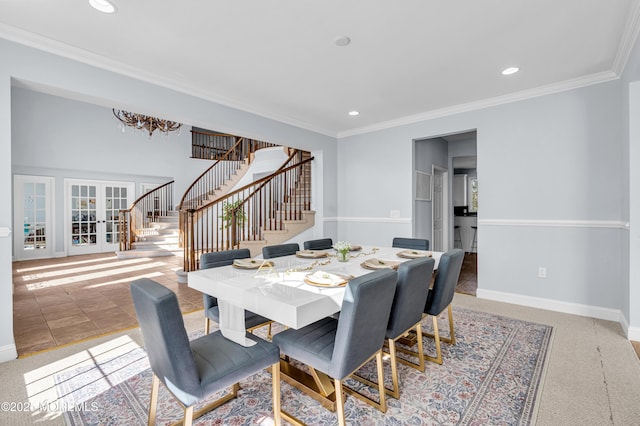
(408, 60)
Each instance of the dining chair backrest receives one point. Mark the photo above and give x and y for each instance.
(363, 321)
(321, 244)
(410, 243)
(270, 252)
(444, 286)
(410, 297)
(165, 339)
(215, 259)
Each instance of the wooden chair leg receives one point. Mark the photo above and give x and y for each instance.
(153, 402)
(340, 402)
(206, 325)
(275, 377)
(188, 416)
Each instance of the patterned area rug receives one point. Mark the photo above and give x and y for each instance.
(492, 376)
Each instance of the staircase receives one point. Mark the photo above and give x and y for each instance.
(160, 238)
(213, 217)
(268, 211)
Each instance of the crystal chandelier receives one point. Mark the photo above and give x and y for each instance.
(146, 122)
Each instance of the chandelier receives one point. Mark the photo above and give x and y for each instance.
(145, 122)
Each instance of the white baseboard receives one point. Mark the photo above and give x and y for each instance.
(555, 305)
(8, 353)
(60, 254)
(634, 334)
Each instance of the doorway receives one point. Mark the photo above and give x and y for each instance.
(91, 214)
(33, 217)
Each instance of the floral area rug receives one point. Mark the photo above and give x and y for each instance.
(491, 376)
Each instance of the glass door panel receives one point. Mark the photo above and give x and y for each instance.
(93, 215)
(32, 214)
(83, 215)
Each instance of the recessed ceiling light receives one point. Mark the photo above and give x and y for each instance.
(510, 70)
(342, 41)
(353, 113)
(103, 6)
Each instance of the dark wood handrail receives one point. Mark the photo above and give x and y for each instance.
(144, 210)
(203, 174)
(245, 213)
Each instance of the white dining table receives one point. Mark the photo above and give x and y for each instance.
(280, 293)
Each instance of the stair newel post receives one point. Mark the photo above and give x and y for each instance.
(191, 254)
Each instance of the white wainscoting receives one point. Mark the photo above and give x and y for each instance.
(8, 353)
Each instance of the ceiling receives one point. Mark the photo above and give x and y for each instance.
(407, 60)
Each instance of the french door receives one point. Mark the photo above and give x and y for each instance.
(92, 208)
(33, 217)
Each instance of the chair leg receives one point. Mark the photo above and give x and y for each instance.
(188, 416)
(436, 336)
(275, 377)
(340, 402)
(381, 390)
(420, 354)
(395, 391)
(153, 402)
(452, 338)
(206, 325)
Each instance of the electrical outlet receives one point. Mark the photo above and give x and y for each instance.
(394, 214)
(542, 272)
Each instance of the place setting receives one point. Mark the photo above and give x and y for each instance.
(414, 254)
(252, 263)
(312, 254)
(327, 279)
(376, 264)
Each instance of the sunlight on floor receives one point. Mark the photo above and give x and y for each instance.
(71, 382)
(95, 275)
(68, 271)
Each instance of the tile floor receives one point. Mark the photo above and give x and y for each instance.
(65, 300)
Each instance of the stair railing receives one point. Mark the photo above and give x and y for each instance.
(244, 214)
(134, 222)
(214, 146)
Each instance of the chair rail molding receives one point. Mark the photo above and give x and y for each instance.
(556, 223)
(368, 219)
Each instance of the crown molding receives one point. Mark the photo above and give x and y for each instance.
(47, 45)
(628, 40)
(548, 89)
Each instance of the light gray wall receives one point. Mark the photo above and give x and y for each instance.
(74, 80)
(62, 138)
(631, 206)
(552, 158)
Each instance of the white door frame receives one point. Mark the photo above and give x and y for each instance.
(102, 246)
(18, 214)
(444, 207)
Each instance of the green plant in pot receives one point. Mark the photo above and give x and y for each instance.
(233, 216)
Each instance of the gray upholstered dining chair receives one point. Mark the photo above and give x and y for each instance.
(217, 259)
(321, 244)
(270, 252)
(410, 243)
(194, 370)
(338, 347)
(406, 315)
(441, 295)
